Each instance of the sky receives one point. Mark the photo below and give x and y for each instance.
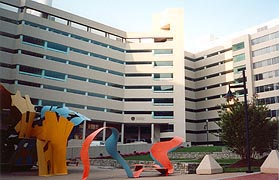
(202, 17)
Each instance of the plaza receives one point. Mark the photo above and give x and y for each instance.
(110, 173)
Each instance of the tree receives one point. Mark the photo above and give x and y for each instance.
(262, 131)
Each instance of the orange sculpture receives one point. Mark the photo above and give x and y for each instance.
(159, 153)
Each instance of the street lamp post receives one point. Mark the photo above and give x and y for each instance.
(230, 96)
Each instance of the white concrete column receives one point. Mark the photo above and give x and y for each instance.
(138, 133)
(104, 131)
(84, 130)
(122, 132)
(152, 133)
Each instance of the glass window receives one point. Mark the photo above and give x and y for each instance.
(163, 63)
(79, 51)
(56, 59)
(78, 64)
(163, 101)
(52, 103)
(33, 41)
(57, 47)
(80, 38)
(97, 81)
(30, 70)
(238, 46)
(239, 57)
(239, 69)
(79, 26)
(77, 78)
(163, 114)
(138, 75)
(58, 32)
(162, 51)
(115, 73)
(59, 20)
(138, 62)
(163, 75)
(76, 91)
(54, 75)
(98, 69)
(163, 88)
(8, 7)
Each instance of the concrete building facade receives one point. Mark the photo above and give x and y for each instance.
(144, 84)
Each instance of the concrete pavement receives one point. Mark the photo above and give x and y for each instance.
(110, 173)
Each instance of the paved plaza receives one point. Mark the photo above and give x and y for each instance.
(109, 173)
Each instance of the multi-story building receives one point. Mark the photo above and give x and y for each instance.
(144, 84)
(209, 72)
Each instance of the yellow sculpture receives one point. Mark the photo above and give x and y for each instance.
(51, 137)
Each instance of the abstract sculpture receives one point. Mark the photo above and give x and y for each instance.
(51, 126)
(158, 152)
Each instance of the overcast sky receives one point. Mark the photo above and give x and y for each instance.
(202, 17)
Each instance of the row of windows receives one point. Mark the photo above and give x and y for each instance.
(266, 88)
(63, 49)
(207, 56)
(269, 100)
(72, 36)
(85, 27)
(266, 75)
(205, 98)
(214, 108)
(265, 38)
(208, 76)
(207, 66)
(265, 50)
(208, 87)
(266, 62)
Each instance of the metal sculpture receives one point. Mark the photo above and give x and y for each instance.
(50, 125)
(158, 152)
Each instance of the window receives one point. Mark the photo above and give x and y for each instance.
(265, 50)
(78, 64)
(79, 26)
(58, 32)
(76, 78)
(57, 47)
(239, 57)
(54, 75)
(162, 51)
(52, 103)
(33, 41)
(163, 88)
(163, 63)
(163, 101)
(163, 76)
(79, 51)
(30, 70)
(59, 20)
(239, 69)
(166, 128)
(265, 38)
(238, 46)
(8, 7)
(96, 95)
(56, 59)
(163, 114)
(138, 75)
(138, 62)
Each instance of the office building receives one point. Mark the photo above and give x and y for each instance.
(144, 84)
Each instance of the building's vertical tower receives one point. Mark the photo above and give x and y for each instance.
(154, 79)
(172, 20)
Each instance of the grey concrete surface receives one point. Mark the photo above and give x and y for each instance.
(109, 173)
